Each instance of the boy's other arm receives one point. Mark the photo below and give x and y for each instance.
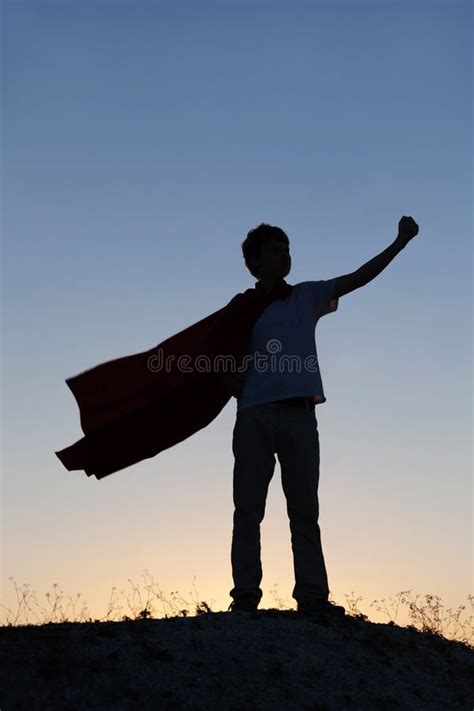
(236, 381)
(407, 229)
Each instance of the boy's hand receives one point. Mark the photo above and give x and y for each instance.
(236, 383)
(407, 229)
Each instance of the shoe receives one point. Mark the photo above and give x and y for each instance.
(322, 609)
(243, 604)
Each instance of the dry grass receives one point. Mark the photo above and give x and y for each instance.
(429, 617)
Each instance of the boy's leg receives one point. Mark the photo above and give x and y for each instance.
(253, 446)
(298, 454)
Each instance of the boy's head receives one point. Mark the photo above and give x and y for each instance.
(266, 251)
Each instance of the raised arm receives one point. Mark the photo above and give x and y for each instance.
(407, 229)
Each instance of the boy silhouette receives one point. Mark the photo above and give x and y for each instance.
(276, 397)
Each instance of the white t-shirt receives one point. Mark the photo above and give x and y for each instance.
(282, 356)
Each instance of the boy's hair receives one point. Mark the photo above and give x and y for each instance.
(252, 245)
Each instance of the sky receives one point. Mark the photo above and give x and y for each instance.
(141, 142)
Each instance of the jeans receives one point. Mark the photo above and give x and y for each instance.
(291, 432)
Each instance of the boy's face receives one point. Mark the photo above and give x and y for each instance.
(275, 260)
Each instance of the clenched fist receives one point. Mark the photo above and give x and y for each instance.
(407, 229)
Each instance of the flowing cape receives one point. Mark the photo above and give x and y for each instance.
(134, 407)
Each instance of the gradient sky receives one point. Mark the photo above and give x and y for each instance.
(141, 141)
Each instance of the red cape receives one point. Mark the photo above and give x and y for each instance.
(133, 407)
